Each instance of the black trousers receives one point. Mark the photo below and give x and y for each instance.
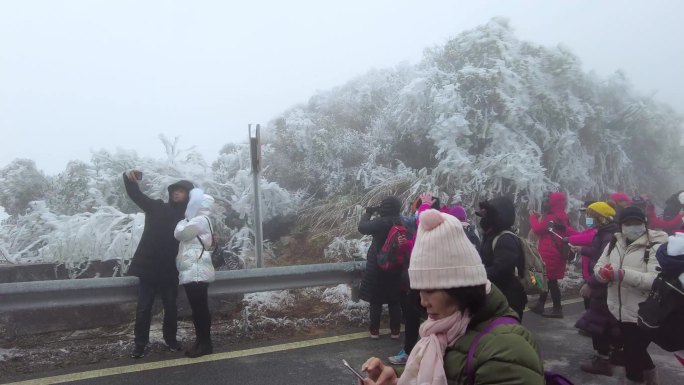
(637, 359)
(197, 293)
(143, 316)
(554, 289)
(394, 313)
(413, 311)
(602, 343)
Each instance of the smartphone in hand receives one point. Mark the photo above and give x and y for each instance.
(357, 374)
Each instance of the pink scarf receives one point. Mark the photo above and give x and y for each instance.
(425, 365)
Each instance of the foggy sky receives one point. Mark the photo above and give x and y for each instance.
(77, 76)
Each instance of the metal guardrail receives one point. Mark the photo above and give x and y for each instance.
(44, 295)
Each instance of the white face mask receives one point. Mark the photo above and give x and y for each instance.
(634, 232)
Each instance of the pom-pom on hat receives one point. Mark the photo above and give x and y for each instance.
(603, 209)
(442, 256)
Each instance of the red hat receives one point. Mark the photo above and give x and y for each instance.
(619, 197)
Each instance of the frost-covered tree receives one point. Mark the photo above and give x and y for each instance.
(21, 183)
(485, 114)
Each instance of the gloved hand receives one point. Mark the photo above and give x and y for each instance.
(607, 273)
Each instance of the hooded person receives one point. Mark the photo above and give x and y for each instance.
(195, 269)
(629, 266)
(154, 259)
(502, 262)
(380, 287)
(551, 228)
(461, 303)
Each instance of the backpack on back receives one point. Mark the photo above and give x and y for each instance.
(532, 272)
(391, 257)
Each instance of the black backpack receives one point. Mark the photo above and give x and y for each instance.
(661, 315)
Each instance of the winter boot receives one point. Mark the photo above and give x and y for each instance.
(598, 365)
(200, 349)
(617, 357)
(174, 346)
(138, 351)
(651, 377)
(557, 312)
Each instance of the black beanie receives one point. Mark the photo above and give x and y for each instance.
(632, 212)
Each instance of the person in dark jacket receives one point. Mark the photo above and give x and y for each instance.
(380, 287)
(498, 215)
(154, 261)
(597, 320)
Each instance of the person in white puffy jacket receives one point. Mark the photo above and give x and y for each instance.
(195, 269)
(628, 265)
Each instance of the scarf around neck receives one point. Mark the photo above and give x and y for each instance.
(425, 365)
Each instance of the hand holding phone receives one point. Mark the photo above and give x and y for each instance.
(357, 374)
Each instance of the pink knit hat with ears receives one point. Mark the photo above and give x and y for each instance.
(443, 257)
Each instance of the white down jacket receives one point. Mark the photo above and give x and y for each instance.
(624, 297)
(193, 264)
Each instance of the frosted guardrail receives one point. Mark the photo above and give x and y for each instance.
(37, 295)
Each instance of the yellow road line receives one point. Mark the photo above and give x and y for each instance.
(208, 358)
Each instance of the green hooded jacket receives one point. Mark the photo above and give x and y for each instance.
(508, 355)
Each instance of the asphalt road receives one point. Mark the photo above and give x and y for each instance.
(319, 361)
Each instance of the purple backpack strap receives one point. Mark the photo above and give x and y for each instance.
(505, 320)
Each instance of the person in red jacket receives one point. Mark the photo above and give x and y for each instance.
(672, 218)
(551, 228)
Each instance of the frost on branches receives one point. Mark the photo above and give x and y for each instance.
(84, 214)
(483, 115)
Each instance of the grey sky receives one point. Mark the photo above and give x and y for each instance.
(77, 76)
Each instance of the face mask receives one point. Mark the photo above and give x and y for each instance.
(589, 221)
(633, 233)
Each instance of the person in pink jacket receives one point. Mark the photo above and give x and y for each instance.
(551, 229)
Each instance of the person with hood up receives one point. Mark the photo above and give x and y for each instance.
(154, 259)
(196, 271)
(461, 303)
(629, 266)
(502, 263)
(380, 287)
(551, 229)
(597, 321)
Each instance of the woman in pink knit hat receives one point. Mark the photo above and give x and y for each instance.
(465, 313)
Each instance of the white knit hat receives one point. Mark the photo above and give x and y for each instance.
(442, 256)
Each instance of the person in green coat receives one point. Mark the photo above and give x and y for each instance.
(460, 303)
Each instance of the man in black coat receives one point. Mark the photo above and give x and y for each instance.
(498, 215)
(154, 261)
